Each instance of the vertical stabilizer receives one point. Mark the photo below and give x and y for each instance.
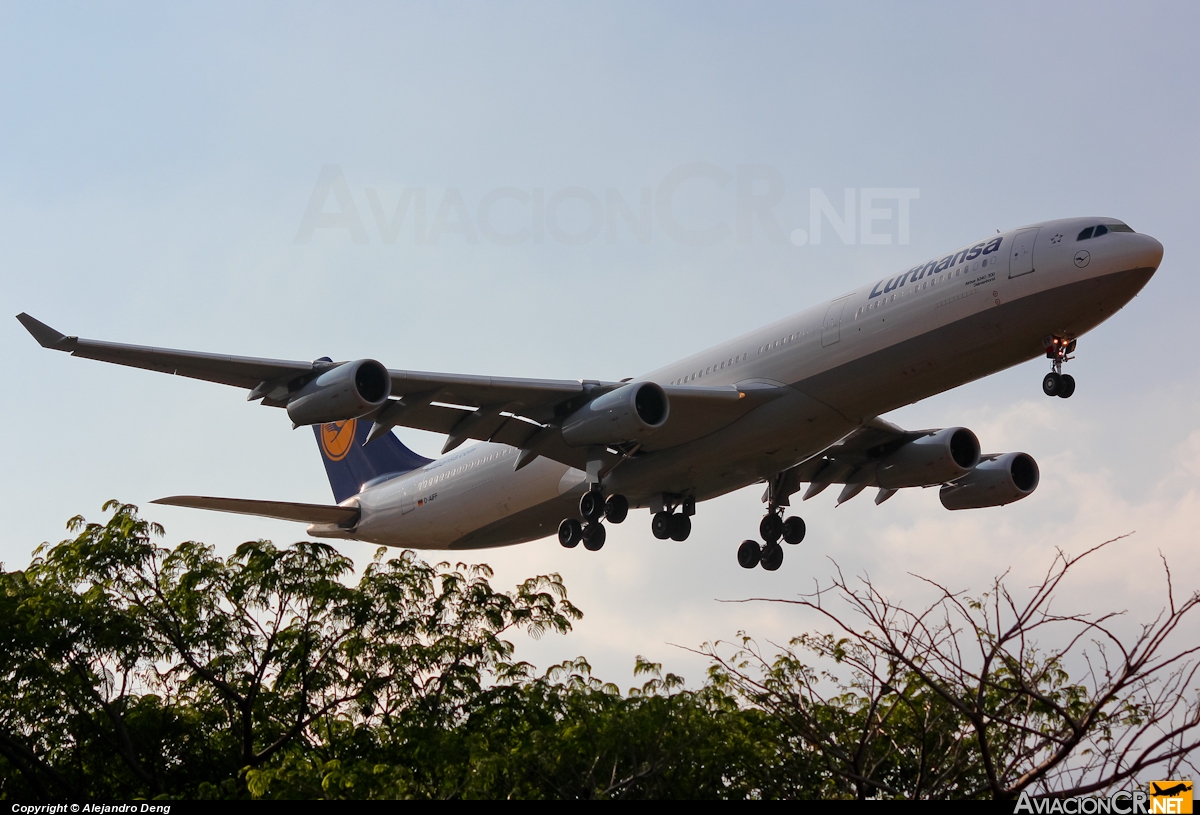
(349, 464)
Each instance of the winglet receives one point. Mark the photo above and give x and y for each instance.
(46, 336)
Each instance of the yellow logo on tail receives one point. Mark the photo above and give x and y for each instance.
(337, 438)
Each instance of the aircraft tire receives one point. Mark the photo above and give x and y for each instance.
(1052, 384)
(660, 525)
(616, 508)
(749, 554)
(681, 527)
(794, 529)
(593, 537)
(772, 556)
(770, 527)
(570, 533)
(591, 505)
(1068, 386)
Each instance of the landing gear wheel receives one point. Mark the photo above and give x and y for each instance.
(681, 527)
(793, 529)
(772, 556)
(749, 554)
(1052, 384)
(570, 533)
(1068, 387)
(770, 527)
(591, 505)
(616, 508)
(660, 525)
(593, 537)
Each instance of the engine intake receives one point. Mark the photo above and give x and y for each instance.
(993, 483)
(626, 414)
(348, 391)
(946, 455)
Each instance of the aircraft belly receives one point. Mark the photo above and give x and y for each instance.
(770, 438)
(984, 342)
(461, 505)
(531, 523)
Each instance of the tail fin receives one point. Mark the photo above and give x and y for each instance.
(349, 464)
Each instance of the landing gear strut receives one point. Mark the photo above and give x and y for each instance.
(1056, 383)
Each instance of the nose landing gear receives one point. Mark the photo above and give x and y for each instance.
(1056, 383)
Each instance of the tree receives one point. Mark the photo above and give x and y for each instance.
(970, 698)
(133, 669)
(128, 669)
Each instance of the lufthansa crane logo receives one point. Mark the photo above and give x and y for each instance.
(337, 438)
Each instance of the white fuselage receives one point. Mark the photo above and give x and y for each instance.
(957, 318)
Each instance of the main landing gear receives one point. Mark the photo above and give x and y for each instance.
(769, 555)
(667, 523)
(593, 507)
(1056, 383)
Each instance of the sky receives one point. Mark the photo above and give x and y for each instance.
(460, 187)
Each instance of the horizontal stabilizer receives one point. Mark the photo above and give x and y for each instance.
(283, 510)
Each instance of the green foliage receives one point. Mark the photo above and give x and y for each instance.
(133, 670)
(130, 670)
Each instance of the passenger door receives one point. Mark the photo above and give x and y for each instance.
(1020, 254)
(831, 328)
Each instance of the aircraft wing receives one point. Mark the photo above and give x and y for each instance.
(519, 412)
(250, 372)
(841, 462)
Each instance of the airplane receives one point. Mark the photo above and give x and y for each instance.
(1170, 792)
(796, 402)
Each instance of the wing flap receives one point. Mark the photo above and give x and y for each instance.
(280, 510)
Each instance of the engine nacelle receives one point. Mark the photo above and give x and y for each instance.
(935, 459)
(1002, 480)
(348, 391)
(628, 413)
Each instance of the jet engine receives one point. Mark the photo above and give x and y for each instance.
(946, 455)
(993, 483)
(626, 414)
(348, 391)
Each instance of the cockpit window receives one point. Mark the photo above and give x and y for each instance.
(1103, 229)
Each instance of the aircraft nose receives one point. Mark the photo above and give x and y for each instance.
(1150, 252)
